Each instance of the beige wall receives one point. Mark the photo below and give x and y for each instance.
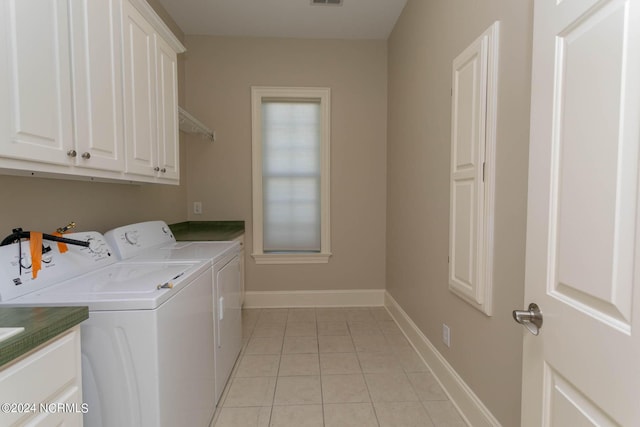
(162, 13)
(220, 72)
(485, 351)
(45, 204)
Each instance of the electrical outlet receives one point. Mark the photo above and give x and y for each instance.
(197, 208)
(446, 335)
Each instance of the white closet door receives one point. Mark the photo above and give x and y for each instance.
(472, 144)
(583, 225)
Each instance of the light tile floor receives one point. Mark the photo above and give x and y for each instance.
(330, 367)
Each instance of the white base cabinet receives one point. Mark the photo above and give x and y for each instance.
(88, 90)
(44, 388)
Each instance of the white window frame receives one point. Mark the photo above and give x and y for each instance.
(323, 95)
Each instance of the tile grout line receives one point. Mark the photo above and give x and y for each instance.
(275, 387)
(408, 367)
(319, 371)
(375, 413)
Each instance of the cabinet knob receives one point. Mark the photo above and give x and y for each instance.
(72, 153)
(156, 169)
(163, 170)
(86, 155)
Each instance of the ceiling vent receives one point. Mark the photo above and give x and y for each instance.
(326, 2)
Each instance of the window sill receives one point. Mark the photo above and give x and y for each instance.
(291, 258)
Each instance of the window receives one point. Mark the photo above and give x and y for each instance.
(290, 152)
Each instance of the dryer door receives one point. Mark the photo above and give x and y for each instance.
(228, 320)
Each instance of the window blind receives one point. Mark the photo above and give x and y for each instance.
(291, 136)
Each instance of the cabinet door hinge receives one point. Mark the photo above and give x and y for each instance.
(483, 169)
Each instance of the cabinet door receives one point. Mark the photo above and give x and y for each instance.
(72, 418)
(51, 374)
(35, 81)
(97, 66)
(139, 93)
(167, 79)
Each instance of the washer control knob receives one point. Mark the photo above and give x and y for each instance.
(94, 245)
(131, 237)
(165, 230)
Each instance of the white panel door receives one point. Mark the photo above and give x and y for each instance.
(582, 239)
(471, 190)
(140, 93)
(467, 158)
(167, 78)
(97, 59)
(35, 81)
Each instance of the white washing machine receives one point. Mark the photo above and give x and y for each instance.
(153, 242)
(148, 343)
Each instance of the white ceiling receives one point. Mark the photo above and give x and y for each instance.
(355, 19)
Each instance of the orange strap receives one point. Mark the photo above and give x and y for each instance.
(62, 247)
(35, 243)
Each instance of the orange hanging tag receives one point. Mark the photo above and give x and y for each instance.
(35, 243)
(62, 247)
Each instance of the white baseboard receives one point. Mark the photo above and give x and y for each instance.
(469, 405)
(336, 298)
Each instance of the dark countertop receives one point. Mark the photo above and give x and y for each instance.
(40, 325)
(207, 230)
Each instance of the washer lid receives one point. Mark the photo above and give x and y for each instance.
(187, 251)
(119, 286)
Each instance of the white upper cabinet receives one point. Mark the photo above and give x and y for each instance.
(140, 93)
(88, 90)
(35, 81)
(151, 98)
(167, 101)
(97, 82)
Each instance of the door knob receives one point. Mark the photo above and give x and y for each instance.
(531, 319)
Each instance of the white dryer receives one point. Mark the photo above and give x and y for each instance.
(153, 242)
(148, 343)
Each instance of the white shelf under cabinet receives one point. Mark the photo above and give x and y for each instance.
(190, 124)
